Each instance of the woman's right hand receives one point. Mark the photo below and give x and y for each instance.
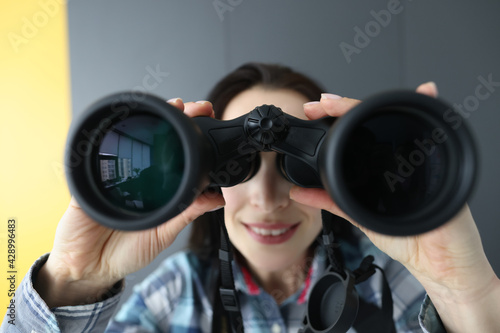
(87, 258)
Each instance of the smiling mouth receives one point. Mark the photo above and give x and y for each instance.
(271, 234)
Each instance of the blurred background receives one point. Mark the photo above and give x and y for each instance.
(62, 56)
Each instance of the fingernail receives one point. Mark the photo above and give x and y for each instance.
(311, 103)
(173, 100)
(330, 96)
(202, 102)
(432, 84)
(216, 208)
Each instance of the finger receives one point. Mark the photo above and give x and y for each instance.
(205, 202)
(428, 88)
(335, 106)
(75, 215)
(314, 110)
(317, 198)
(329, 105)
(177, 102)
(200, 108)
(73, 203)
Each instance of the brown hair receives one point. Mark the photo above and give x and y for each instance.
(205, 233)
(269, 76)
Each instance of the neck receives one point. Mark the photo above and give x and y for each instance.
(283, 283)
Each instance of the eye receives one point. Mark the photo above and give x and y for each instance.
(297, 171)
(254, 164)
(280, 166)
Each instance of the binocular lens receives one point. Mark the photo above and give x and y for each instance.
(140, 163)
(134, 162)
(393, 165)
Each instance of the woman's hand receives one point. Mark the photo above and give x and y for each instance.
(87, 258)
(449, 261)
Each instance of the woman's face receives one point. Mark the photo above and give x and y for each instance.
(269, 229)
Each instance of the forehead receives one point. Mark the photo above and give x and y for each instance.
(289, 101)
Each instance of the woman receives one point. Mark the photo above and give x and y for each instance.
(273, 226)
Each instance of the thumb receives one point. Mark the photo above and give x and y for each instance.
(169, 230)
(428, 88)
(317, 198)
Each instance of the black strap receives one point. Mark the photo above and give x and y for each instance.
(329, 243)
(219, 319)
(370, 317)
(227, 296)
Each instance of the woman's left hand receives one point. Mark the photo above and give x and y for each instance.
(449, 261)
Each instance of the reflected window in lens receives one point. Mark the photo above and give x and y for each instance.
(140, 163)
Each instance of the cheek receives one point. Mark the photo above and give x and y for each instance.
(316, 220)
(234, 197)
(314, 225)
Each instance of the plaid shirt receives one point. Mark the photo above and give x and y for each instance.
(178, 296)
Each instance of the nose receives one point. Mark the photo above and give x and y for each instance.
(269, 191)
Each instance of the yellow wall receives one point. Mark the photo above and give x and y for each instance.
(35, 115)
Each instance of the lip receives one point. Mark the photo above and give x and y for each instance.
(271, 240)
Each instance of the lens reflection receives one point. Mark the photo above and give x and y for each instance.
(140, 163)
(395, 163)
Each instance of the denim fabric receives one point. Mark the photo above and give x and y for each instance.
(33, 315)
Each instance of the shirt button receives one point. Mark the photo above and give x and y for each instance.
(276, 328)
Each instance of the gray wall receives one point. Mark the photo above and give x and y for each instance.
(114, 45)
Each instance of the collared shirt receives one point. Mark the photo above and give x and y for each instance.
(178, 297)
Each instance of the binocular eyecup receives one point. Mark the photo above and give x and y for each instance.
(396, 163)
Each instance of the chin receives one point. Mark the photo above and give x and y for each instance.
(272, 260)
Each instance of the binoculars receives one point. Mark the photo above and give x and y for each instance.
(396, 163)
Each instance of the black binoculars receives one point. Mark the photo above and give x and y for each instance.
(395, 163)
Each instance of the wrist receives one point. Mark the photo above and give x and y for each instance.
(474, 310)
(58, 288)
